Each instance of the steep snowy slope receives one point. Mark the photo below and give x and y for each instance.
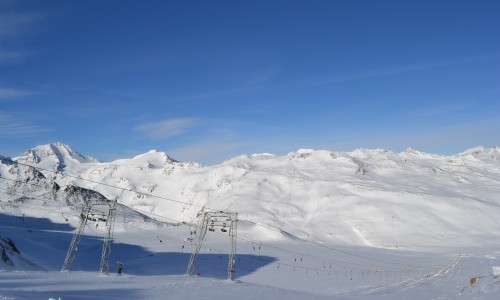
(365, 197)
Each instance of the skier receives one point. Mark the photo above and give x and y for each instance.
(120, 267)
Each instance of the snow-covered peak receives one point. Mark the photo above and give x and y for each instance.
(301, 153)
(474, 151)
(54, 155)
(410, 150)
(150, 159)
(482, 153)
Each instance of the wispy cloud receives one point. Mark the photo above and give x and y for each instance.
(9, 93)
(14, 23)
(209, 152)
(213, 94)
(443, 110)
(11, 56)
(166, 128)
(261, 83)
(15, 126)
(387, 71)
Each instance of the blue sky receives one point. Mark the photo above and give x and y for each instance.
(206, 81)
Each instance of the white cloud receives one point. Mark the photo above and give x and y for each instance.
(15, 126)
(166, 128)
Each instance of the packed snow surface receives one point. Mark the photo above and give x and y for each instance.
(362, 224)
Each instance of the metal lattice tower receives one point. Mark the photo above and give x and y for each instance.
(227, 221)
(106, 247)
(73, 247)
(87, 214)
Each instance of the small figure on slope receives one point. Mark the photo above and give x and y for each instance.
(120, 267)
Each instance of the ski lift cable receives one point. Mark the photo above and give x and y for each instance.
(278, 249)
(178, 201)
(329, 260)
(168, 199)
(318, 259)
(222, 251)
(281, 249)
(251, 240)
(104, 184)
(315, 258)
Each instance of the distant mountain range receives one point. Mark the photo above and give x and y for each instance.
(365, 197)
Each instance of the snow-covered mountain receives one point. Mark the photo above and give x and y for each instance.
(365, 197)
(314, 225)
(55, 156)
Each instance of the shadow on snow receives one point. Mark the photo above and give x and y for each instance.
(46, 244)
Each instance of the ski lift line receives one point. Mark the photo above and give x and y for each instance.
(73, 206)
(254, 241)
(166, 237)
(279, 230)
(105, 184)
(240, 266)
(255, 258)
(315, 258)
(180, 222)
(56, 210)
(290, 251)
(36, 207)
(265, 244)
(275, 247)
(258, 224)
